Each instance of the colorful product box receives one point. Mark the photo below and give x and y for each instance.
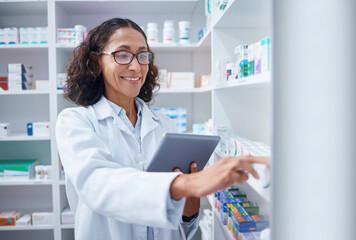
(242, 220)
(18, 169)
(262, 221)
(38, 129)
(9, 218)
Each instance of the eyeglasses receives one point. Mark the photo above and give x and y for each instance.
(124, 57)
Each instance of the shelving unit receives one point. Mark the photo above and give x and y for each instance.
(243, 106)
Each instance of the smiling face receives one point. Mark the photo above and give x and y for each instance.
(123, 82)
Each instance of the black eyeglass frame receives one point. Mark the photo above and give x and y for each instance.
(133, 55)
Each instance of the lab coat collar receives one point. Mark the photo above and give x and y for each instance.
(149, 120)
(103, 109)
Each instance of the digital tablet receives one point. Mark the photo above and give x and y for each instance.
(180, 150)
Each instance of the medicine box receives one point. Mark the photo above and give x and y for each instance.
(9, 218)
(25, 220)
(42, 84)
(18, 169)
(66, 35)
(181, 79)
(42, 218)
(67, 216)
(38, 129)
(5, 130)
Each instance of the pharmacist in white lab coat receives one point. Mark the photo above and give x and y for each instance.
(106, 143)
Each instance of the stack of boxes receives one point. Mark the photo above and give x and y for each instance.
(238, 213)
(19, 77)
(26, 35)
(19, 169)
(16, 218)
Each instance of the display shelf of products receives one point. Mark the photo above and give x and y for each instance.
(255, 81)
(26, 182)
(184, 90)
(22, 46)
(24, 92)
(262, 190)
(16, 228)
(158, 47)
(24, 137)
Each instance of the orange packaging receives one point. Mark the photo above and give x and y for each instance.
(3, 85)
(9, 218)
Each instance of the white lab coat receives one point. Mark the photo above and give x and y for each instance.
(110, 194)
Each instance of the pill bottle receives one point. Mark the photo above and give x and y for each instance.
(39, 172)
(47, 172)
(152, 32)
(184, 31)
(168, 31)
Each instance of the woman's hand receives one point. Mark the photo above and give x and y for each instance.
(220, 175)
(192, 204)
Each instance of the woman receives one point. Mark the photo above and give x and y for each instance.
(105, 145)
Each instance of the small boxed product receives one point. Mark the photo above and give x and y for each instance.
(22, 169)
(205, 80)
(25, 220)
(42, 84)
(262, 221)
(38, 129)
(25, 35)
(42, 218)
(12, 35)
(5, 130)
(3, 36)
(61, 80)
(3, 84)
(9, 218)
(67, 216)
(66, 35)
(181, 80)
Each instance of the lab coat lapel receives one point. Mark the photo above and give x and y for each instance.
(149, 120)
(103, 110)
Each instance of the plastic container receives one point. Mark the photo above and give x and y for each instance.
(168, 31)
(39, 172)
(152, 32)
(184, 31)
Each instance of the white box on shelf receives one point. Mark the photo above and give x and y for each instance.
(3, 36)
(66, 35)
(67, 216)
(25, 35)
(42, 85)
(25, 220)
(43, 35)
(15, 68)
(42, 218)
(38, 129)
(5, 129)
(181, 79)
(12, 35)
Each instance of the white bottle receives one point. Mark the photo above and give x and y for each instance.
(47, 172)
(168, 31)
(184, 31)
(39, 172)
(152, 32)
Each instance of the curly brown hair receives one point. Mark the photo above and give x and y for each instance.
(85, 83)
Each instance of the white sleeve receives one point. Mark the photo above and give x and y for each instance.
(125, 194)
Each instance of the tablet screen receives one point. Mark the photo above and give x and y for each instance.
(180, 150)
